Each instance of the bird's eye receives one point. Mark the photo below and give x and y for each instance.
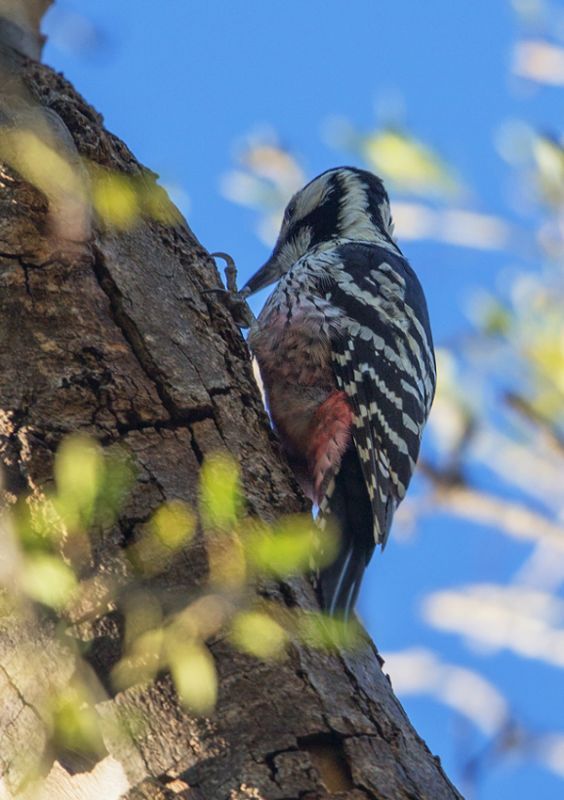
(289, 211)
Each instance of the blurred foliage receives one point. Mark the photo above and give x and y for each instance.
(75, 724)
(50, 538)
(38, 160)
(122, 201)
(259, 634)
(548, 154)
(406, 163)
(500, 404)
(75, 186)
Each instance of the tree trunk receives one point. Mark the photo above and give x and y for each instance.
(108, 332)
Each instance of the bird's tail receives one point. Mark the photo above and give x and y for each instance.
(349, 509)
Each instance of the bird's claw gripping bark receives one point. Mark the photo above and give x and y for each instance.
(235, 301)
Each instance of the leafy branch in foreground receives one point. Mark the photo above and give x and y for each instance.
(52, 538)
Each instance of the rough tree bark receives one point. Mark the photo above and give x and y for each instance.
(109, 333)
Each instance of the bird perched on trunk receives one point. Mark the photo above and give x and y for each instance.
(346, 355)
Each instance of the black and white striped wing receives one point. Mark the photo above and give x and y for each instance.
(383, 359)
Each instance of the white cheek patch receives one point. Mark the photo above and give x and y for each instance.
(295, 248)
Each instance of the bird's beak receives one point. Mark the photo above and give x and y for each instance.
(267, 274)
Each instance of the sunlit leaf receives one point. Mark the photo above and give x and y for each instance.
(47, 579)
(293, 546)
(142, 661)
(170, 527)
(220, 493)
(122, 200)
(258, 634)
(173, 524)
(75, 722)
(268, 176)
(36, 524)
(407, 163)
(40, 163)
(548, 154)
(156, 204)
(545, 350)
(194, 674)
(115, 199)
(79, 470)
(328, 633)
(143, 613)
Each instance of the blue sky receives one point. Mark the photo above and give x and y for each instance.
(182, 82)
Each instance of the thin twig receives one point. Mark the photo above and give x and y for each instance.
(531, 414)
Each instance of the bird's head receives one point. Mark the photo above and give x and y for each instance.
(342, 203)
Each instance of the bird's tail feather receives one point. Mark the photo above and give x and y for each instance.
(350, 511)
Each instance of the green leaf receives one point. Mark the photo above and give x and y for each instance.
(115, 199)
(258, 634)
(75, 722)
(173, 524)
(47, 579)
(142, 662)
(194, 674)
(292, 547)
(170, 527)
(79, 471)
(329, 633)
(220, 492)
(406, 162)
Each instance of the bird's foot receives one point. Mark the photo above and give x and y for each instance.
(235, 301)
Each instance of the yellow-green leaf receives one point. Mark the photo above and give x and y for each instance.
(258, 634)
(220, 493)
(173, 524)
(142, 662)
(194, 674)
(169, 528)
(115, 199)
(408, 163)
(328, 633)
(47, 579)
(41, 164)
(75, 722)
(293, 546)
(79, 471)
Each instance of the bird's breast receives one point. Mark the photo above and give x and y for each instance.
(291, 341)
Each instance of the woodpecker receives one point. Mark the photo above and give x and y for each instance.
(346, 356)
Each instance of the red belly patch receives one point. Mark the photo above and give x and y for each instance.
(329, 436)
